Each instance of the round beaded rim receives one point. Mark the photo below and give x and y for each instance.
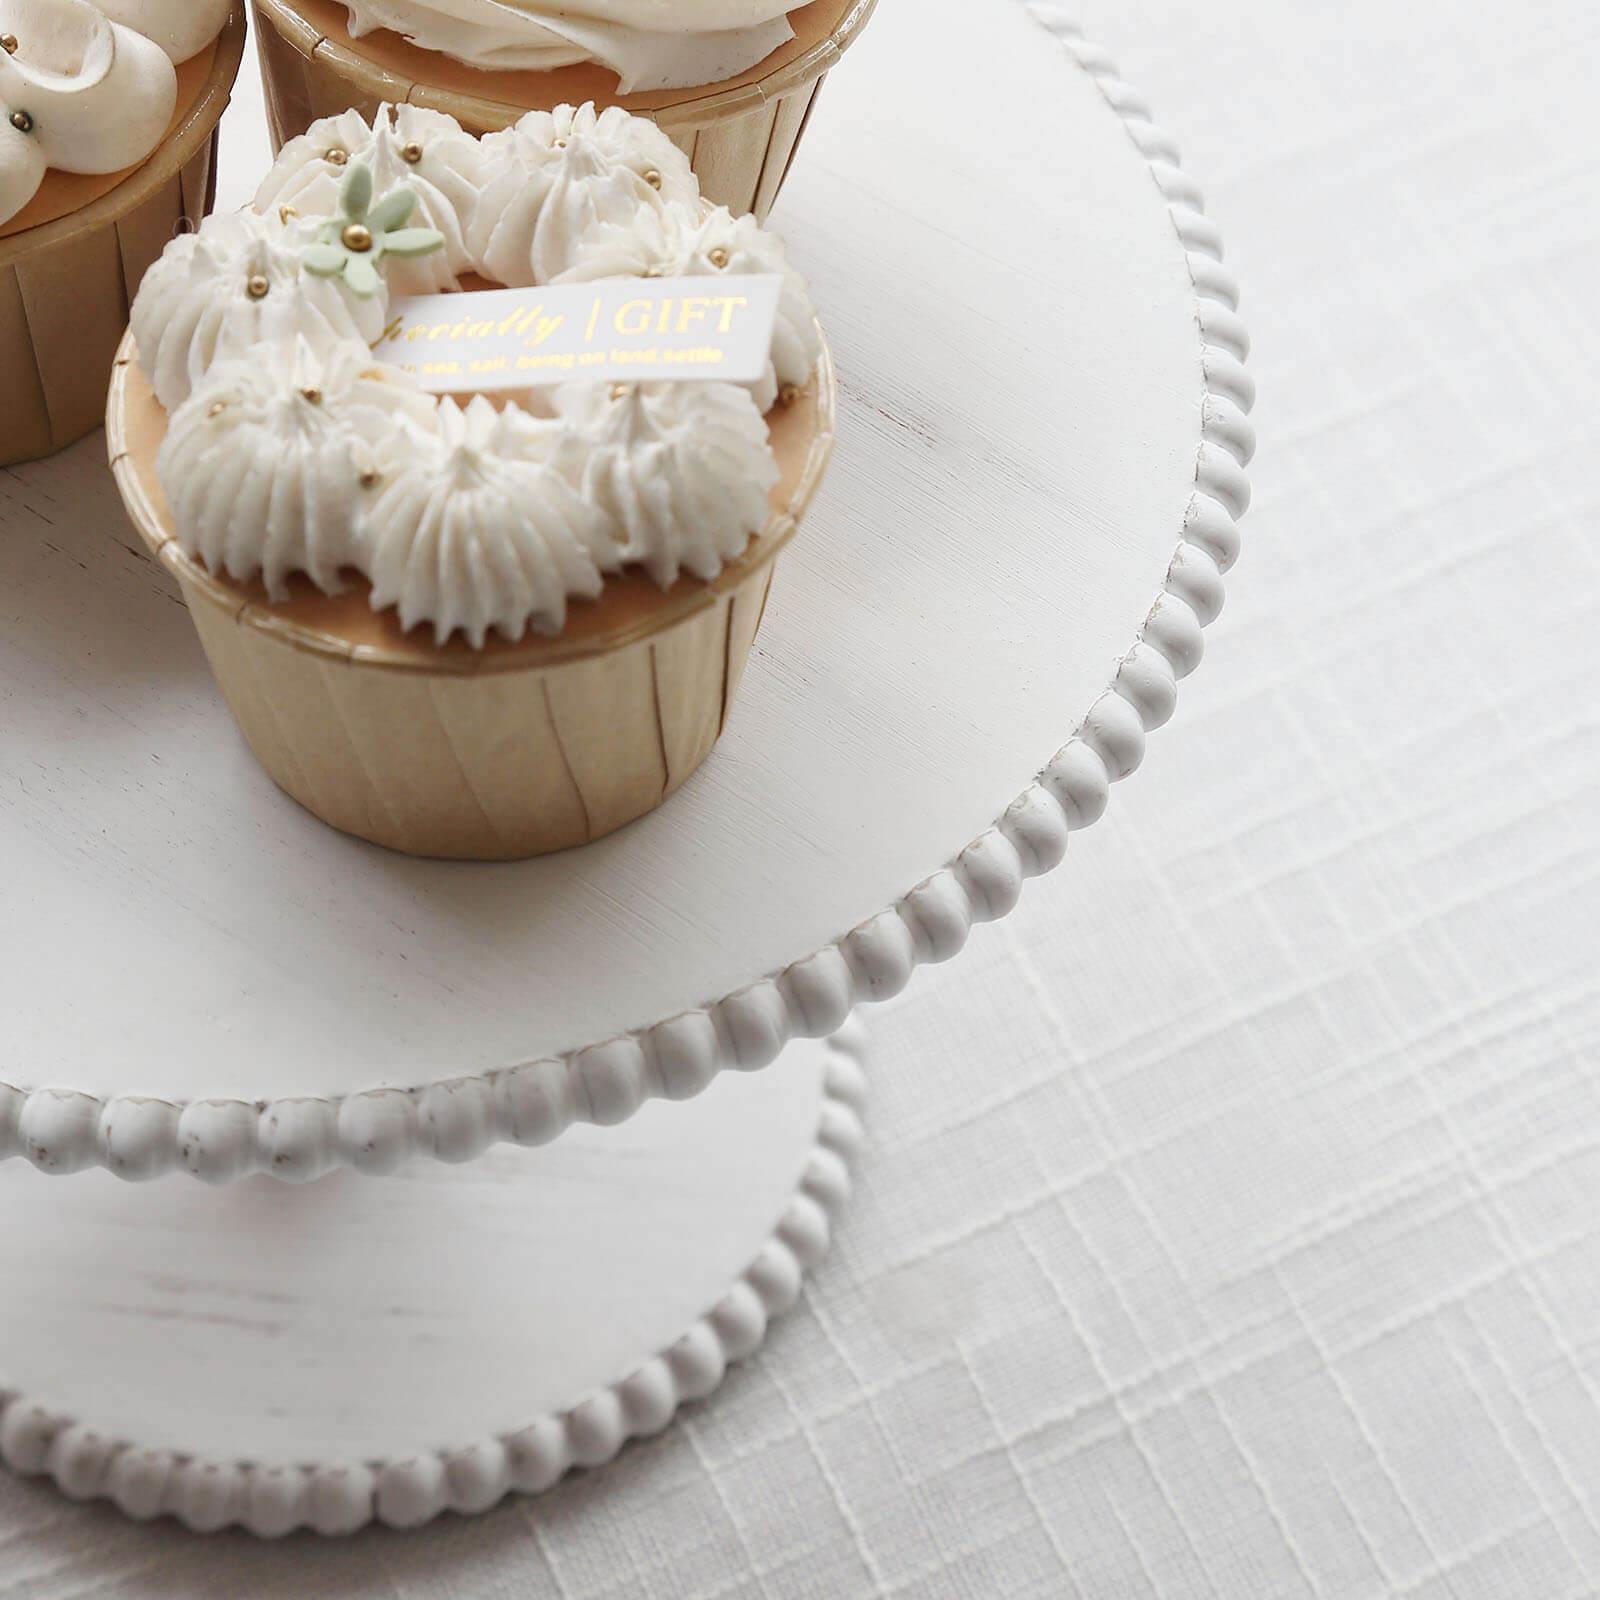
(64, 1131)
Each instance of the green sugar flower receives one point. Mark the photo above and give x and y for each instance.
(353, 243)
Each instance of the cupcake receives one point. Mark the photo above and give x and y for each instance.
(467, 625)
(731, 81)
(108, 116)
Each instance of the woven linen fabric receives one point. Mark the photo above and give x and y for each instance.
(1229, 1227)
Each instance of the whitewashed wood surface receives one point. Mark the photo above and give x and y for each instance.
(1229, 1227)
(985, 549)
(280, 1357)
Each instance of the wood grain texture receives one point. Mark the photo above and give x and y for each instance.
(740, 136)
(1228, 1224)
(968, 591)
(279, 1359)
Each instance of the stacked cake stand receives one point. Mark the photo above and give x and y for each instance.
(348, 1186)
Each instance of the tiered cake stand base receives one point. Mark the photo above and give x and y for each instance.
(273, 1355)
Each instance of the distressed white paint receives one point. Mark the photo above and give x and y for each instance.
(1021, 373)
(353, 1321)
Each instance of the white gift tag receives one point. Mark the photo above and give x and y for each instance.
(620, 330)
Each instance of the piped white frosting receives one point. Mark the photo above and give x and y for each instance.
(473, 519)
(183, 28)
(80, 93)
(424, 150)
(476, 527)
(263, 465)
(683, 470)
(556, 175)
(647, 43)
(234, 284)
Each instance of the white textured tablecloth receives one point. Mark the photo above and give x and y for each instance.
(1230, 1227)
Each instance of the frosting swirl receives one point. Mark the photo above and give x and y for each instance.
(649, 44)
(557, 174)
(477, 528)
(292, 449)
(182, 28)
(90, 87)
(235, 284)
(267, 463)
(682, 469)
(424, 151)
(79, 93)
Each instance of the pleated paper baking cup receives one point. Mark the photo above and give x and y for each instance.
(740, 135)
(513, 750)
(72, 260)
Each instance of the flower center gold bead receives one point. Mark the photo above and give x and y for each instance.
(718, 258)
(8, 43)
(337, 157)
(653, 178)
(788, 394)
(258, 287)
(412, 153)
(22, 122)
(218, 409)
(312, 396)
(619, 391)
(357, 237)
(369, 480)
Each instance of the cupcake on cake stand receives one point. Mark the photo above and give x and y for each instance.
(450, 1238)
(737, 109)
(108, 118)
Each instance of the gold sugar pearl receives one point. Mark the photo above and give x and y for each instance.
(358, 237)
(22, 122)
(653, 178)
(788, 394)
(218, 409)
(620, 391)
(369, 479)
(560, 144)
(8, 43)
(311, 396)
(411, 153)
(336, 157)
(258, 288)
(719, 258)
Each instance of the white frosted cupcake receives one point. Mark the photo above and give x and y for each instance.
(454, 626)
(108, 113)
(731, 81)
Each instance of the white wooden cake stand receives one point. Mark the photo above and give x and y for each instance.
(1039, 470)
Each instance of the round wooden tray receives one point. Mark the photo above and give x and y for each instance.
(1041, 425)
(280, 1357)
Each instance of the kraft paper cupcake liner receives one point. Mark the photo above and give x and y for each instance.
(495, 754)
